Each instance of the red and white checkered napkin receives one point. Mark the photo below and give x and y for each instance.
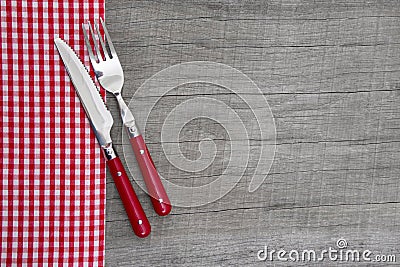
(52, 185)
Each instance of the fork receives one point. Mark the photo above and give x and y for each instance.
(109, 73)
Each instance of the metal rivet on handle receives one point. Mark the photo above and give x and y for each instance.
(140, 222)
(119, 173)
(161, 200)
(141, 151)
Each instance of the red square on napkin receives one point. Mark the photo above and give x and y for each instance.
(52, 186)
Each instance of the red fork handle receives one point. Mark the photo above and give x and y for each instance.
(156, 190)
(137, 217)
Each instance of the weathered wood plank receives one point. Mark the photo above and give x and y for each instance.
(330, 72)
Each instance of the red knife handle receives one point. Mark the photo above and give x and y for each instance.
(156, 190)
(137, 217)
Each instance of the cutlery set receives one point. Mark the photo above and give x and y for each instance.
(109, 73)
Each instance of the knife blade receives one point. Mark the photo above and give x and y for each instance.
(101, 122)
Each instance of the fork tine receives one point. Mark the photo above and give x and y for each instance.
(96, 47)
(110, 44)
(88, 46)
(103, 45)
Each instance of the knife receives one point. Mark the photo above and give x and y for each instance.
(101, 121)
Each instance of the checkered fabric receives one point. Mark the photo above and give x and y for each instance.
(52, 185)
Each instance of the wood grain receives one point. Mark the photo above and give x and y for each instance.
(330, 72)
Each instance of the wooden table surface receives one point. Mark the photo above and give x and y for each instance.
(330, 71)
